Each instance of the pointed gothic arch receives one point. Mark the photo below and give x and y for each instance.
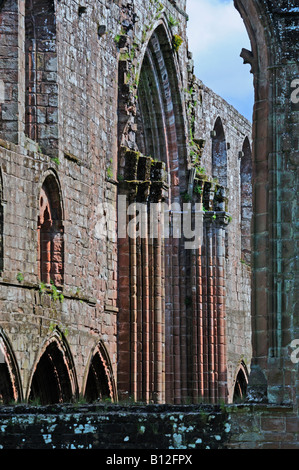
(10, 111)
(161, 131)
(1, 224)
(50, 232)
(246, 200)
(240, 383)
(10, 381)
(54, 377)
(158, 164)
(273, 165)
(41, 85)
(219, 153)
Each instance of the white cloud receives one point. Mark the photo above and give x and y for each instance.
(216, 35)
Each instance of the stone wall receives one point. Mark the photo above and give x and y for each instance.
(30, 313)
(119, 427)
(263, 427)
(71, 89)
(207, 107)
(273, 31)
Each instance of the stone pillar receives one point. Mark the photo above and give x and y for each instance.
(211, 317)
(196, 335)
(157, 196)
(273, 30)
(215, 326)
(221, 222)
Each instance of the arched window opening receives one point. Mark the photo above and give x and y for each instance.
(241, 382)
(159, 109)
(10, 384)
(99, 385)
(151, 112)
(6, 388)
(219, 153)
(52, 379)
(41, 74)
(50, 231)
(246, 201)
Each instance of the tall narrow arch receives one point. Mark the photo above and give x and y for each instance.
(246, 200)
(100, 384)
(54, 377)
(149, 351)
(1, 224)
(10, 99)
(41, 97)
(161, 131)
(241, 382)
(10, 381)
(50, 232)
(219, 153)
(271, 278)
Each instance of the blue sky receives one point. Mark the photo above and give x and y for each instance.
(216, 36)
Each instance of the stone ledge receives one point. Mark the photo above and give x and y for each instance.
(259, 408)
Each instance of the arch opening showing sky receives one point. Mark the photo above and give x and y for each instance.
(216, 36)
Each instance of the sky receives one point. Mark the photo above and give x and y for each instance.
(216, 36)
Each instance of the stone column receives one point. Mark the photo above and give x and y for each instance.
(157, 196)
(124, 304)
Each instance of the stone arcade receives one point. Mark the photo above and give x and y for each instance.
(100, 102)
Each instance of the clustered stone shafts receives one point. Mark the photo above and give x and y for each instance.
(141, 261)
(91, 266)
(41, 106)
(9, 72)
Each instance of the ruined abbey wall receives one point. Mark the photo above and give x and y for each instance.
(99, 100)
(69, 106)
(209, 106)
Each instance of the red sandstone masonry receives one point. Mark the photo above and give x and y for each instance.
(263, 427)
(9, 67)
(87, 75)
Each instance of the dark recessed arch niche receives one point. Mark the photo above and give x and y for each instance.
(100, 383)
(246, 200)
(54, 379)
(219, 153)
